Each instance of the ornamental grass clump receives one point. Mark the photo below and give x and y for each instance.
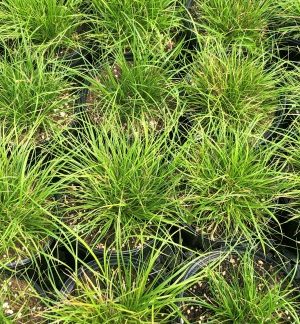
(27, 199)
(233, 22)
(119, 290)
(122, 23)
(33, 90)
(288, 19)
(231, 186)
(234, 86)
(241, 287)
(141, 87)
(44, 21)
(120, 185)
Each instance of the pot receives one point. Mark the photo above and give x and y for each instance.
(26, 263)
(190, 238)
(289, 50)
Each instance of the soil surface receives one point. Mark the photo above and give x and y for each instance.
(61, 117)
(109, 241)
(198, 313)
(19, 301)
(195, 11)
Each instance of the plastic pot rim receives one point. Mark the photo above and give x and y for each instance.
(27, 262)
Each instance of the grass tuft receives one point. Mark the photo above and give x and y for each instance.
(230, 187)
(240, 22)
(232, 86)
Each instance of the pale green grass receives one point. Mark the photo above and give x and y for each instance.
(27, 196)
(46, 21)
(230, 186)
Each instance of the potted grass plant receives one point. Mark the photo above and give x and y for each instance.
(27, 198)
(230, 188)
(239, 287)
(140, 88)
(34, 91)
(124, 23)
(286, 25)
(233, 22)
(20, 300)
(117, 290)
(58, 25)
(119, 187)
(55, 271)
(230, 85)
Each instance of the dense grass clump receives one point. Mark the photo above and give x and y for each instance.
(143, 86)
(27, 199)
(149, 129)
(33, 90)
(244, 288)
(123, 23)
(44, 22)
(230, 185)
(288, 18)
(233, 86)
(119, 180)
(120, 291)
(235, 21)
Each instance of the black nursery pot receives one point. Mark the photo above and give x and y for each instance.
(281, 122)
(203, 262)
(289, 50)
(54, 269)
(191, 42)
(180, 135)
(27, 264)
(170, 256)
(190, 238)
(70, 284)
(287, 229)
(80, 59)
(142, 251)
(74, 58)
(290, 232)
